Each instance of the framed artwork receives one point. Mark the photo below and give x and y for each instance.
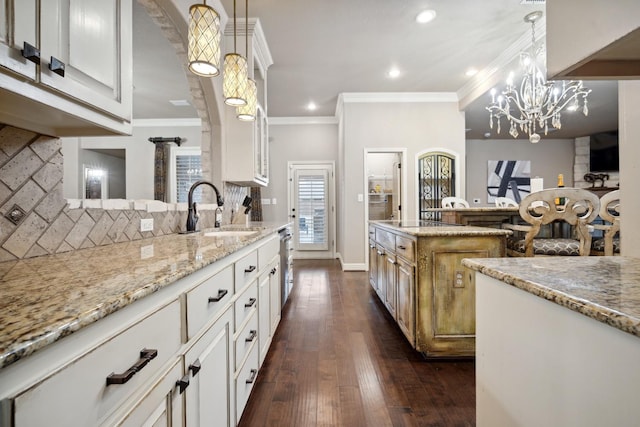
(508, 178)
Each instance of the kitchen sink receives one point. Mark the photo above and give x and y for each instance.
(230, 233)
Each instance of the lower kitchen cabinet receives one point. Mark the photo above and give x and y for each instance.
(188, 354)
(210, 372)
(419, 277)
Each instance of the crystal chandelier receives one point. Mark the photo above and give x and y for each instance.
(538, 103)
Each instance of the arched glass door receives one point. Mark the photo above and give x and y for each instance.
(436, 178)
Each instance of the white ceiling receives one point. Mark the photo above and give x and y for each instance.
(323, 48)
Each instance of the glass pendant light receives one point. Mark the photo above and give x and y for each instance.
(204, 40)
(247, 113)
(234, 82)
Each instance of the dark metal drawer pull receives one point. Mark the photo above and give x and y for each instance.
(402, 247)
(57, 66)
(273, 271)
(250, 269)
(31, 53)
(221, 294)
(195, 367)
(252, 336)
(183, 383)
(252, 378)
(146, 355)
(250, 303)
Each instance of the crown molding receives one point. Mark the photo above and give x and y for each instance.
(310, 120)
(499, 68)
(378, 97)
(259, 46)
(147, 123)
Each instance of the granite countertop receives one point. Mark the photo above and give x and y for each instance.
(45, 298)
(604, 288)
(435, 228)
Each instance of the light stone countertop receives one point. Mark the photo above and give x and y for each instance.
(604, 288)
(434, 229)
(46, 298)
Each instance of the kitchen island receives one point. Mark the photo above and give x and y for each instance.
(558, 341)
(114, 334)
(415, 268)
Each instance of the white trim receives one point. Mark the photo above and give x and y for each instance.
(148, 123)
(351, 266)
(373, 97)
(332, 201)
(499, 68)
(458, 162)
(315, 120)
(403, 195)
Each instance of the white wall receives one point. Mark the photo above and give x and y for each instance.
(416, 126)
(629, 134)
(549, 158)
(294, 142)
(139, 154)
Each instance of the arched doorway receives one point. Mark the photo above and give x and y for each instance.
(436, 180)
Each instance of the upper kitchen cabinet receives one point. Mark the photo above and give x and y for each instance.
(246, 146)
(66, 66)
(590, 39)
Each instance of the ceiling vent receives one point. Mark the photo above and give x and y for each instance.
(533, 1)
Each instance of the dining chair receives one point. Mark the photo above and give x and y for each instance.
(580, 208)
(454, 202)
(505, 202)
(609, 243)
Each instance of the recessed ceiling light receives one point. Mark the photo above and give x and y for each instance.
(426, 16)
(394, 73)
(179, 102)
(471, 72)
(311, 106)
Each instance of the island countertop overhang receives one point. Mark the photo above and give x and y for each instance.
(606, 289)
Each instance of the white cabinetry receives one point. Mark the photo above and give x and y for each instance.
(188, 353)
(83, 84)
(247, 151)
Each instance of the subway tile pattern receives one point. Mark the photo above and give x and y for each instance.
(31, 169)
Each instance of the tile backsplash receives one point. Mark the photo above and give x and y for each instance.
(35, 218)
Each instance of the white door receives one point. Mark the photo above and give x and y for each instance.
(311, 207)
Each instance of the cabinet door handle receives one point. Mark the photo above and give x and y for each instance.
(250, 303)
(250, 269)
(273, 271)
(380, 252)
(183, 383)
(195, 367)
(31, 53)
(252, 378)
(146, 355)
(57, 66)
(402, 247)
(252, 336)
(221, 294)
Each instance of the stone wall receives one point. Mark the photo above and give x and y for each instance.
(581, 166)
(35, 218)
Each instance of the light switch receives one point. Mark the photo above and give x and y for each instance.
(360, 197)
(273, 201)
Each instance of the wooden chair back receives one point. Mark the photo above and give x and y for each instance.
(579, 209)
(610, 212)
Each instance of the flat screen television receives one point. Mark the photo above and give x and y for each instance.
(603, 152)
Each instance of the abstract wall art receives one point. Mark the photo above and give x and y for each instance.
(508, 178)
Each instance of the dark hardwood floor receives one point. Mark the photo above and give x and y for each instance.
(338, 359)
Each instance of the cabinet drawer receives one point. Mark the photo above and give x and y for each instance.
(55, 402)
(207, 299)
(386, 239)
(246, 339)
(245, 305)
(405, 247)
(245, 381)
(267, 252)
(372, 232)
(246, 269)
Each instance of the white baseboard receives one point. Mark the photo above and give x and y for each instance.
(351, 266)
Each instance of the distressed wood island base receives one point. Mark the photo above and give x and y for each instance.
(416, 270)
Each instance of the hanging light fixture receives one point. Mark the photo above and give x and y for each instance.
(234, 82)
(247, 112)
(204, 40)
(538, 101)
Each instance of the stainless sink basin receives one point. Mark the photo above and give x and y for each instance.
(230, 233)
